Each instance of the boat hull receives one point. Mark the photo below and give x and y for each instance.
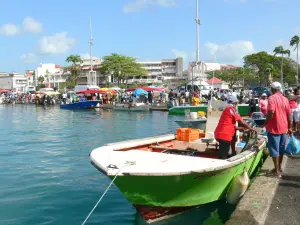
(181, 190)
(160, 197)
(243, 109)
(142, 108)
(80, 105)
(180, 110)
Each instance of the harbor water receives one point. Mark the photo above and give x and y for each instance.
(46, 175)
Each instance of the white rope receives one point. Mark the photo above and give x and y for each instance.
(128, 163)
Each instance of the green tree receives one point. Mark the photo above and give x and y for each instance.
(74, 68)
(295, 42)
(234, 76)
(121, 66)
(41, 79)
(279, 50)
(263, 65)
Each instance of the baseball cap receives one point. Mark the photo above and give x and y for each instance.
(232, 99)
(264, 94)
(276, 85)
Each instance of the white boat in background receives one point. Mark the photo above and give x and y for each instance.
(137, 107)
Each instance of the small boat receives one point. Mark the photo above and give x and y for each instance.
(80, 105)
(243, 109)
(138, 107)
(160, 107)
(193, 123)
(180, 110)
(163, 177)
(105, 106)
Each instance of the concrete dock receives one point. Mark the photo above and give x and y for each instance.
(285, 207)
(270, 200)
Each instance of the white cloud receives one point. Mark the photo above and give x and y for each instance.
(57, 44)
(298, 30)
(10, 30)
(31, 25)
(231, 53)
(138, 5)
(29, 58)
(179, 53)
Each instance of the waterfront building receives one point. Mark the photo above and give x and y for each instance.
(53, 74)
(13, 81)
(30, 77)
(85, 68)
(217, 83)
(159, 72)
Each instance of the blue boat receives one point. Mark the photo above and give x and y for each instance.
(80, 105)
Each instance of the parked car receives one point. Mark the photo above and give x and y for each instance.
(258, 91)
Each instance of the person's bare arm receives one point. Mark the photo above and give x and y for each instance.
(290, 123)
(244, 124)
(269, 116)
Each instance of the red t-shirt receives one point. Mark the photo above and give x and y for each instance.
(280, 106)
(227, 124)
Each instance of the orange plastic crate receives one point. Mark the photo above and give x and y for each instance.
(180, 132)
(187, 134)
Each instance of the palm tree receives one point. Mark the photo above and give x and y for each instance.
(269, 69)
(280, 50)
(295, 42)
(75, 60)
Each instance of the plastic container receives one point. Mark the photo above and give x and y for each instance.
(188, 134)
(194, 115)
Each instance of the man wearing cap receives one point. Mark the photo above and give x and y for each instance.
(278, 123)
(263, 104)
(226, 129)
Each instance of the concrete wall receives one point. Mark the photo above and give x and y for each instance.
(6, 83)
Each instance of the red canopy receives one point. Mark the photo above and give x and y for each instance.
(4, 91)
(86, 92)
(146, 89)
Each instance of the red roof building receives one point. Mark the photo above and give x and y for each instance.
(215, 80)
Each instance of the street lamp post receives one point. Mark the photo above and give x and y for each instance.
(215, 56)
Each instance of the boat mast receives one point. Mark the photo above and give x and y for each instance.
(92, 73)
(197, 33)
(197, 66)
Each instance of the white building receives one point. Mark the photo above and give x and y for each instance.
(13, 81)
(212, 67)
(159, 71)
(53, 74)
(85, 72)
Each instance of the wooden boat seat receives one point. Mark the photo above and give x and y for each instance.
(208, 151)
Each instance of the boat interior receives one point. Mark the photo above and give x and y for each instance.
(198, 148)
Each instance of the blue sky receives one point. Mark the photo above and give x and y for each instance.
(33, 32)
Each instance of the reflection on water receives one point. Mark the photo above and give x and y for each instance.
(210, 214)
(46, 174)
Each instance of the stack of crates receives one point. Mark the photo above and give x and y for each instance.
(188, 134)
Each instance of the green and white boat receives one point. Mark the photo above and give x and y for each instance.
(243, 109)
(163, 177)
(180, 110)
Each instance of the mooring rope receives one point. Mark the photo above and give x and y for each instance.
(128, 163)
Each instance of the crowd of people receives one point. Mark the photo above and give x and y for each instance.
(281, 111)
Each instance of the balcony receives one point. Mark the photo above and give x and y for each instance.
(152, 67)
(148, 81)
